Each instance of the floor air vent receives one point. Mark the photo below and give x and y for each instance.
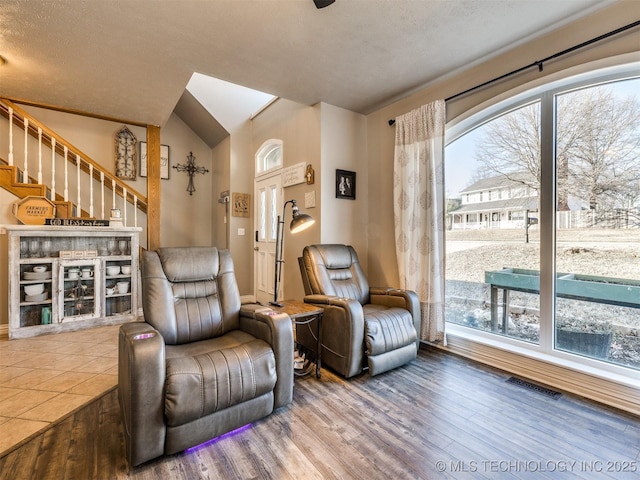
(534, 388)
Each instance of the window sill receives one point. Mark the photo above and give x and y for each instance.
(606, 383)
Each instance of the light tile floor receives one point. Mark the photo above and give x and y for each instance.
(44, 379)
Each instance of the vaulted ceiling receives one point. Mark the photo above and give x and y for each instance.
(132, 59)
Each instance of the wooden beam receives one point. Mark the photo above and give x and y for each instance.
(76, 112)
(153, 187)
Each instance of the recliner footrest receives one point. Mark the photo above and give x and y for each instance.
(390, 360)
(387, 329)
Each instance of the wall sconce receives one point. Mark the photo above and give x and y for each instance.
(300, 222)
(191, 170)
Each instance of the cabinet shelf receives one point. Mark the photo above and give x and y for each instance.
(43, 302)
(84, 299)
(97, 308)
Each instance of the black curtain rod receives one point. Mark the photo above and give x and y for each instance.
(540, 63)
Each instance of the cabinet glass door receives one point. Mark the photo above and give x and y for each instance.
(79, 284)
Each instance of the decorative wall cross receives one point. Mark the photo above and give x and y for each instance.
(191, 170)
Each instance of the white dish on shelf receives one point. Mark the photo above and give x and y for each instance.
(36, 298)
(122, 287)
(37, 275)
(40, 268)
(113, 270)
(34, 289)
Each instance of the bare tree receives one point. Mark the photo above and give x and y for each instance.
(511, 147)
(602, 136)
(597, 148)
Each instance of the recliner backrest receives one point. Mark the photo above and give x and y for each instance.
(334, 269)
(189, 293)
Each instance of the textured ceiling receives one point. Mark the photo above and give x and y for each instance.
(132, 59)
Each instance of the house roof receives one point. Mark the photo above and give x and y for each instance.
(133, 59)
(498, 182)
(530, 203)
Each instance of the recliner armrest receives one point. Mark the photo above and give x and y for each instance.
(342, 330)
(277, 330)
(394, 297)
(141, 379)
(351, 307)
(334, 300)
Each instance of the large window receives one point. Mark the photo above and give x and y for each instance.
(543, 216)
(487, 234)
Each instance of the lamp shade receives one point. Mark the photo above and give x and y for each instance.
(300, 221)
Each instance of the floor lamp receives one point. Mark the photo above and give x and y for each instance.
(300, 222)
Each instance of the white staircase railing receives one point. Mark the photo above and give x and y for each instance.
(89, 175)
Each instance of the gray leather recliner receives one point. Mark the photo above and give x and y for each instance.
(376, 327)
(201, 364)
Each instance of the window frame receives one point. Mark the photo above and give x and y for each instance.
(263, 152)
(545, 92)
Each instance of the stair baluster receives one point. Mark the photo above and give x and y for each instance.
(25, 170)
(53, 169)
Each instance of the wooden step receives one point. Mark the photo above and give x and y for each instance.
(63, 209)
(9, 180)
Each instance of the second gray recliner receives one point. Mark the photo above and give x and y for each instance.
(376, 325)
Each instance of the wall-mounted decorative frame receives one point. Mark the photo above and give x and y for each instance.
(125, 154)
(241, 204)
(345, 184)
(164, 160)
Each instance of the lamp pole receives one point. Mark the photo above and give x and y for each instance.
(300, 221)
(279, 261)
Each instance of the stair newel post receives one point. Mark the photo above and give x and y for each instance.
(124, 204)
(25, 178)
(40, 155)
(78, 201)
(10, 136)
(53, 169)
(91, 190)
(66, 173)
(102, 194)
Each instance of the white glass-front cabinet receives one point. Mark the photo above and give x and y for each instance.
(71, 278)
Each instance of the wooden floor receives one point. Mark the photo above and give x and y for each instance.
(439, 417)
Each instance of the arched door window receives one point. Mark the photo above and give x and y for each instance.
(269, 156)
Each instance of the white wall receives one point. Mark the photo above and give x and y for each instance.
(186, 220)
(327, 138)
(241, 181)
(221, 172)
(298, 127)
(343, 147)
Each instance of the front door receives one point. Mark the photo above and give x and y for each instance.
(268, 195)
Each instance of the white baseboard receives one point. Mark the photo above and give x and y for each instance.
(612, 392)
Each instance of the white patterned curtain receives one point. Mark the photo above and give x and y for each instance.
(419, 211)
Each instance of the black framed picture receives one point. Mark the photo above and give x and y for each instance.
(345, 184)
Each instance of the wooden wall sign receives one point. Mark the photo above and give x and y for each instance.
(241, 204)
(33, 210)
(294, 174)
